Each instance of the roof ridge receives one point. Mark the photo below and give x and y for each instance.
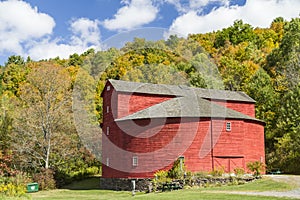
(178, 90)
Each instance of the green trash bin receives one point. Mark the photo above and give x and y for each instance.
(32, 187)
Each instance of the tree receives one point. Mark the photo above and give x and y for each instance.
(287, 155)
(235, 34)
(283, 63)
(159, 74)
(17, 60)
(5, 123)
(206, 41)
(13, 76)
(290, 48)
(206, 74)
(283, 66)
(261, 89)
(96, 63)
(43, 125)
(75, 60)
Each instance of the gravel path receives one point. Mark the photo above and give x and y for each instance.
(295, 194)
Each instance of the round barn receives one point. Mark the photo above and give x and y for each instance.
(146, 127)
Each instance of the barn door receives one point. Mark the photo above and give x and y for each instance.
(236, 163)
(220, 163)
(228, 163)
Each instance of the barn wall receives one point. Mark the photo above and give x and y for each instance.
(194, 160)
(246, 108)
(227, 146)
(254, 142)
(129, 103)
(231, 149)
(165, 141)
(109, 103)
(229, 143)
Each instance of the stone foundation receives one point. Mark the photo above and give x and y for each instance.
(146, 185)
(125, 184)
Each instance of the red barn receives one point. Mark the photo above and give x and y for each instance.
(146, 127)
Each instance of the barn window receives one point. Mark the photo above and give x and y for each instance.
(107, 130)
(107, 161)
(134, 161)
(107, 109)
(108, 88)
(228, 126)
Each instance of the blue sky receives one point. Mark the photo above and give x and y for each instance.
(45, 29)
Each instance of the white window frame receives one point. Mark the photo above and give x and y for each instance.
(135, 161)
(108, 88)
(107, 109)
(228, 126)
(107, 130)
(107, 161)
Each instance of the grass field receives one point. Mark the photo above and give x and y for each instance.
(87, 190)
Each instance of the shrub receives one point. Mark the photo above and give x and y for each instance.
(176, 172)
(6, 164)
(239, 171)
(189, 178)
(45, 179)
(218, 172)
(75, 169)
(201, 174)
(161, 176)
(12, 190)
(178, 169)
(14, 186)
(255, 167)
(67, 176)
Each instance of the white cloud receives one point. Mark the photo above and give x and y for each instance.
(85, 35)
(86, 32)
(258, 13)
(132, 15)
(27, 32)
(20, 22)
(48, 48)
(180, 6)
(194, 5)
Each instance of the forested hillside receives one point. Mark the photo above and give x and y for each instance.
(37, 129)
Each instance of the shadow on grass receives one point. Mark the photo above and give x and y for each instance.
(92, 183)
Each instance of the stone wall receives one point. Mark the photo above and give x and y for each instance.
(146, 185)
(125, 184)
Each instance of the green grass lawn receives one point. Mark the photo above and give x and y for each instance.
(264, 184)
(87, 190)
(104, 194)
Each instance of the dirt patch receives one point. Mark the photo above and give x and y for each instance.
(290, 179)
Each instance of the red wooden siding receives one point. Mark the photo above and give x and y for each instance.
(230, 143)
(131, 103)
(243, 107)
(207, 147)
(229, 163)
(254, 142)
(192, 154)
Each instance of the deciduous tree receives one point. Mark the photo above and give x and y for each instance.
(43, 125)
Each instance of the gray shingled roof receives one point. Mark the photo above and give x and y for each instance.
(179, 90)
(190, 102)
